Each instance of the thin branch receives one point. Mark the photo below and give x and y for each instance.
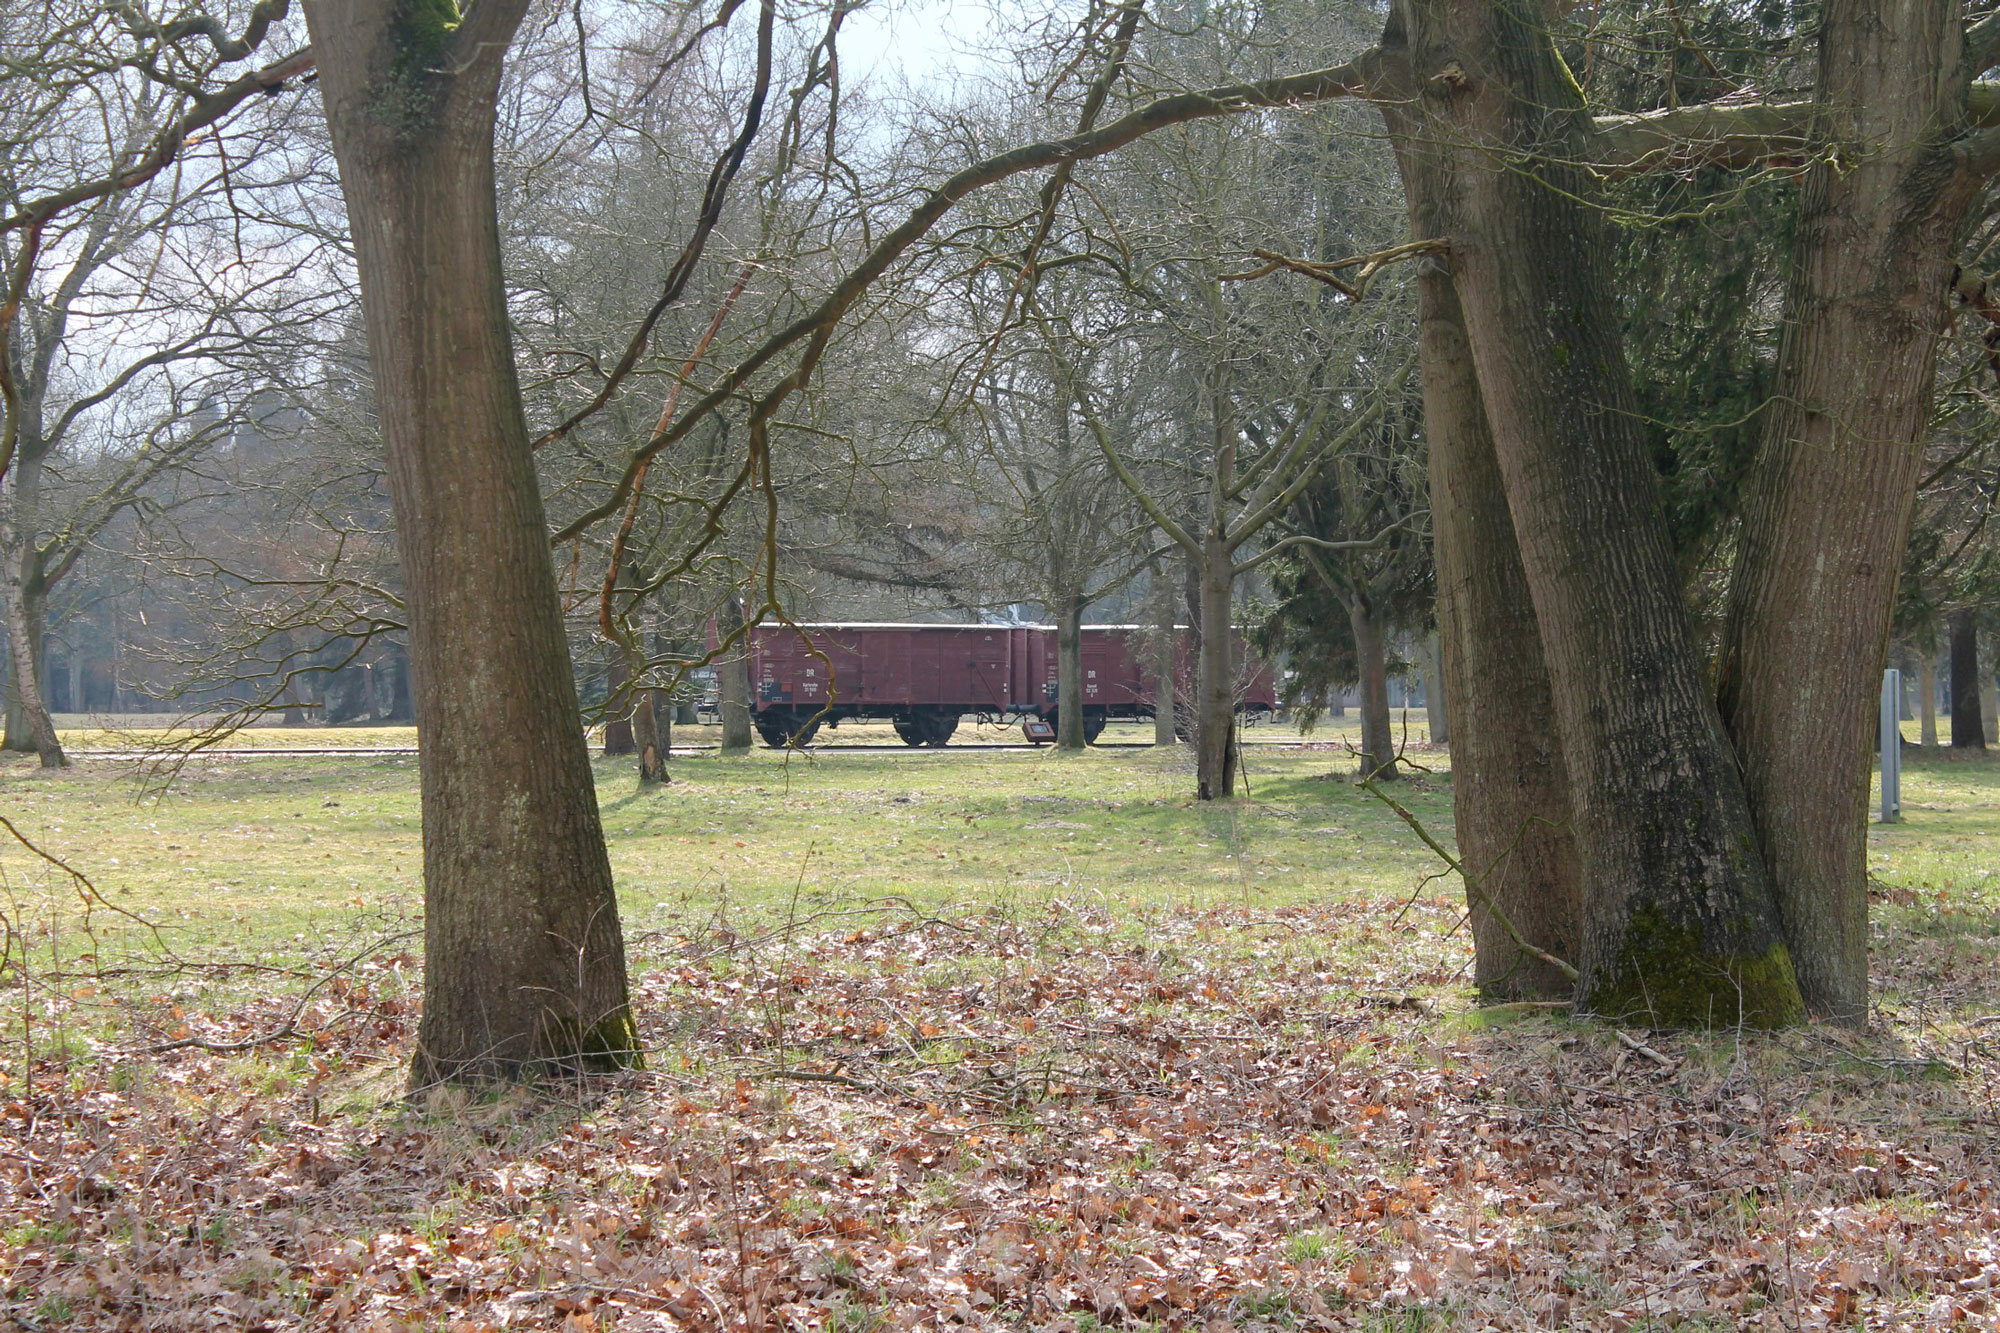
(1473, 883)
(1354, 78)
(713, 197)
(1299, 539)
(1328, 273)
(167, 144)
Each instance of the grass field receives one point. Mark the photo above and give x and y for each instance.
(259, 850)
(1011, 1039)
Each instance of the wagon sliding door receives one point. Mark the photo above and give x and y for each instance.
(983, 685)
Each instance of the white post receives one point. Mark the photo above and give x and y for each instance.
(1892, 746)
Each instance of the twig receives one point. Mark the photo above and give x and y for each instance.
(1472, 883)
(1637, 1047)
(815, 1076)
(286, 1030)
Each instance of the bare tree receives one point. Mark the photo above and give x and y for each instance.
(126, 349)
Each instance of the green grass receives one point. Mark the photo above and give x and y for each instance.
(259, 855)
(1937, 873)
(267, 857)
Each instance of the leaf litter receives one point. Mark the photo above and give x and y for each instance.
(1059, 1118)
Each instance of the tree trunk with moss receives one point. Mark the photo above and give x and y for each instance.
(1832, 492)
(1679, 924)
(524, 961)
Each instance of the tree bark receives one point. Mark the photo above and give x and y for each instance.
(396, 666)
(1069, 673)
(24, 642)
(524, 960)
(23, 600)
(1378, 743)
(1511, 793)
(1215, 687)
(1679, 926)
(1165, 642)
(618, 706)
(14, 733)
(1967, 732)
(657, 720)
(1927, 696)
(1834, 486)
(1510, 789)
(649, 738)
(1989, 692)
(732, 681)
(1437, 712)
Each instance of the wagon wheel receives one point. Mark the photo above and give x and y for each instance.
(938, 728)
(781, 727)
(911, 731)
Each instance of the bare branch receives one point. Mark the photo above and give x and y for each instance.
(1354, 78)
(167, 145)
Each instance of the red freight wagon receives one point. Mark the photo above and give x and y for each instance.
(1118, 674)
(923, 678)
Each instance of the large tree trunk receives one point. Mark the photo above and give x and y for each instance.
(1378, 743)
(1069, 673)
(1967, 733)
(1510, 790)
(24, 646)
(618, 705)
(1679, 926)
(23, 599)
(732, 680)
(1215, 677)
(524, 961)
(1834, 485)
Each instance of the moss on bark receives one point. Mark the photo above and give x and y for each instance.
(613, 1044)
(1669, 977)
(422, 31)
